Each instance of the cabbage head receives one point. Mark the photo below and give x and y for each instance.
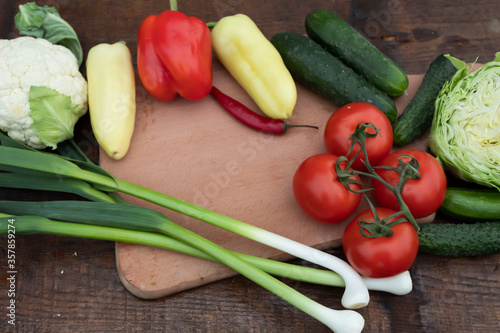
(465, 131)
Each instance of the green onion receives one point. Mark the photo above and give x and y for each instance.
(127, 215)
(355, 295)
(52, 183)
(74, 171)
(30, 224)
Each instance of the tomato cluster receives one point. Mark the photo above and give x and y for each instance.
(322, 195)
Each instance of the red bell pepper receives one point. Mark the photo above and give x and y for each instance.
(174, 56)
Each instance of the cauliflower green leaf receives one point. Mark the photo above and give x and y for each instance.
(54, 115)
(45, 22)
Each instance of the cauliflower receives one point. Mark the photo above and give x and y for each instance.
(27, 62)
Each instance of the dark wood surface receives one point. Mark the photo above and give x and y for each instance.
(66, 284)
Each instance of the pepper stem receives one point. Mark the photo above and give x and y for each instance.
(173, 5)
(287, 126)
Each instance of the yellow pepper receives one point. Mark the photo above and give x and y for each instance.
(111, 96)
(255, 64)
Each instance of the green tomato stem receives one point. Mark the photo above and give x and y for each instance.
(50, 183)
(359, 136)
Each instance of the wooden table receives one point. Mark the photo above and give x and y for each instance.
(66, 284)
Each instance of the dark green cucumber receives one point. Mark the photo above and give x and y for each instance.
(460, 240)
(346, 43)
(417, 116)
(464, 204)
(315, 68)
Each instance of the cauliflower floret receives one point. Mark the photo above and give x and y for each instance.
(26, 62)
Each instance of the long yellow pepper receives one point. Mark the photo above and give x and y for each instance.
(255, 64)
(111, 90)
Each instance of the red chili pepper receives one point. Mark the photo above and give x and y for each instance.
(250, 118)
(174, 56)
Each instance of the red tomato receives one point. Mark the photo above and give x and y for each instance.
(320, 194)
(381, 256)
(422, 196)
(341, 125)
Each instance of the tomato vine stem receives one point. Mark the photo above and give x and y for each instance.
(407, 170)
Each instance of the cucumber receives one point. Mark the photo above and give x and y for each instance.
(417, 116)
(347, 44)
(460, 240)
(464, 204)
(315, 68)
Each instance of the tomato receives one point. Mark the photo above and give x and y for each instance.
(381, 256)
(422, 196)
(342, 124)
(320, 194)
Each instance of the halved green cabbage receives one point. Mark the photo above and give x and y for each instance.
(465, 131)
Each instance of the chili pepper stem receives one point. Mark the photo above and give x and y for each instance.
(286, 126)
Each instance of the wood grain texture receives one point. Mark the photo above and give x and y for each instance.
(59, 291)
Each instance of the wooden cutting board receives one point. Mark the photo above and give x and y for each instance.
(197, 152)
